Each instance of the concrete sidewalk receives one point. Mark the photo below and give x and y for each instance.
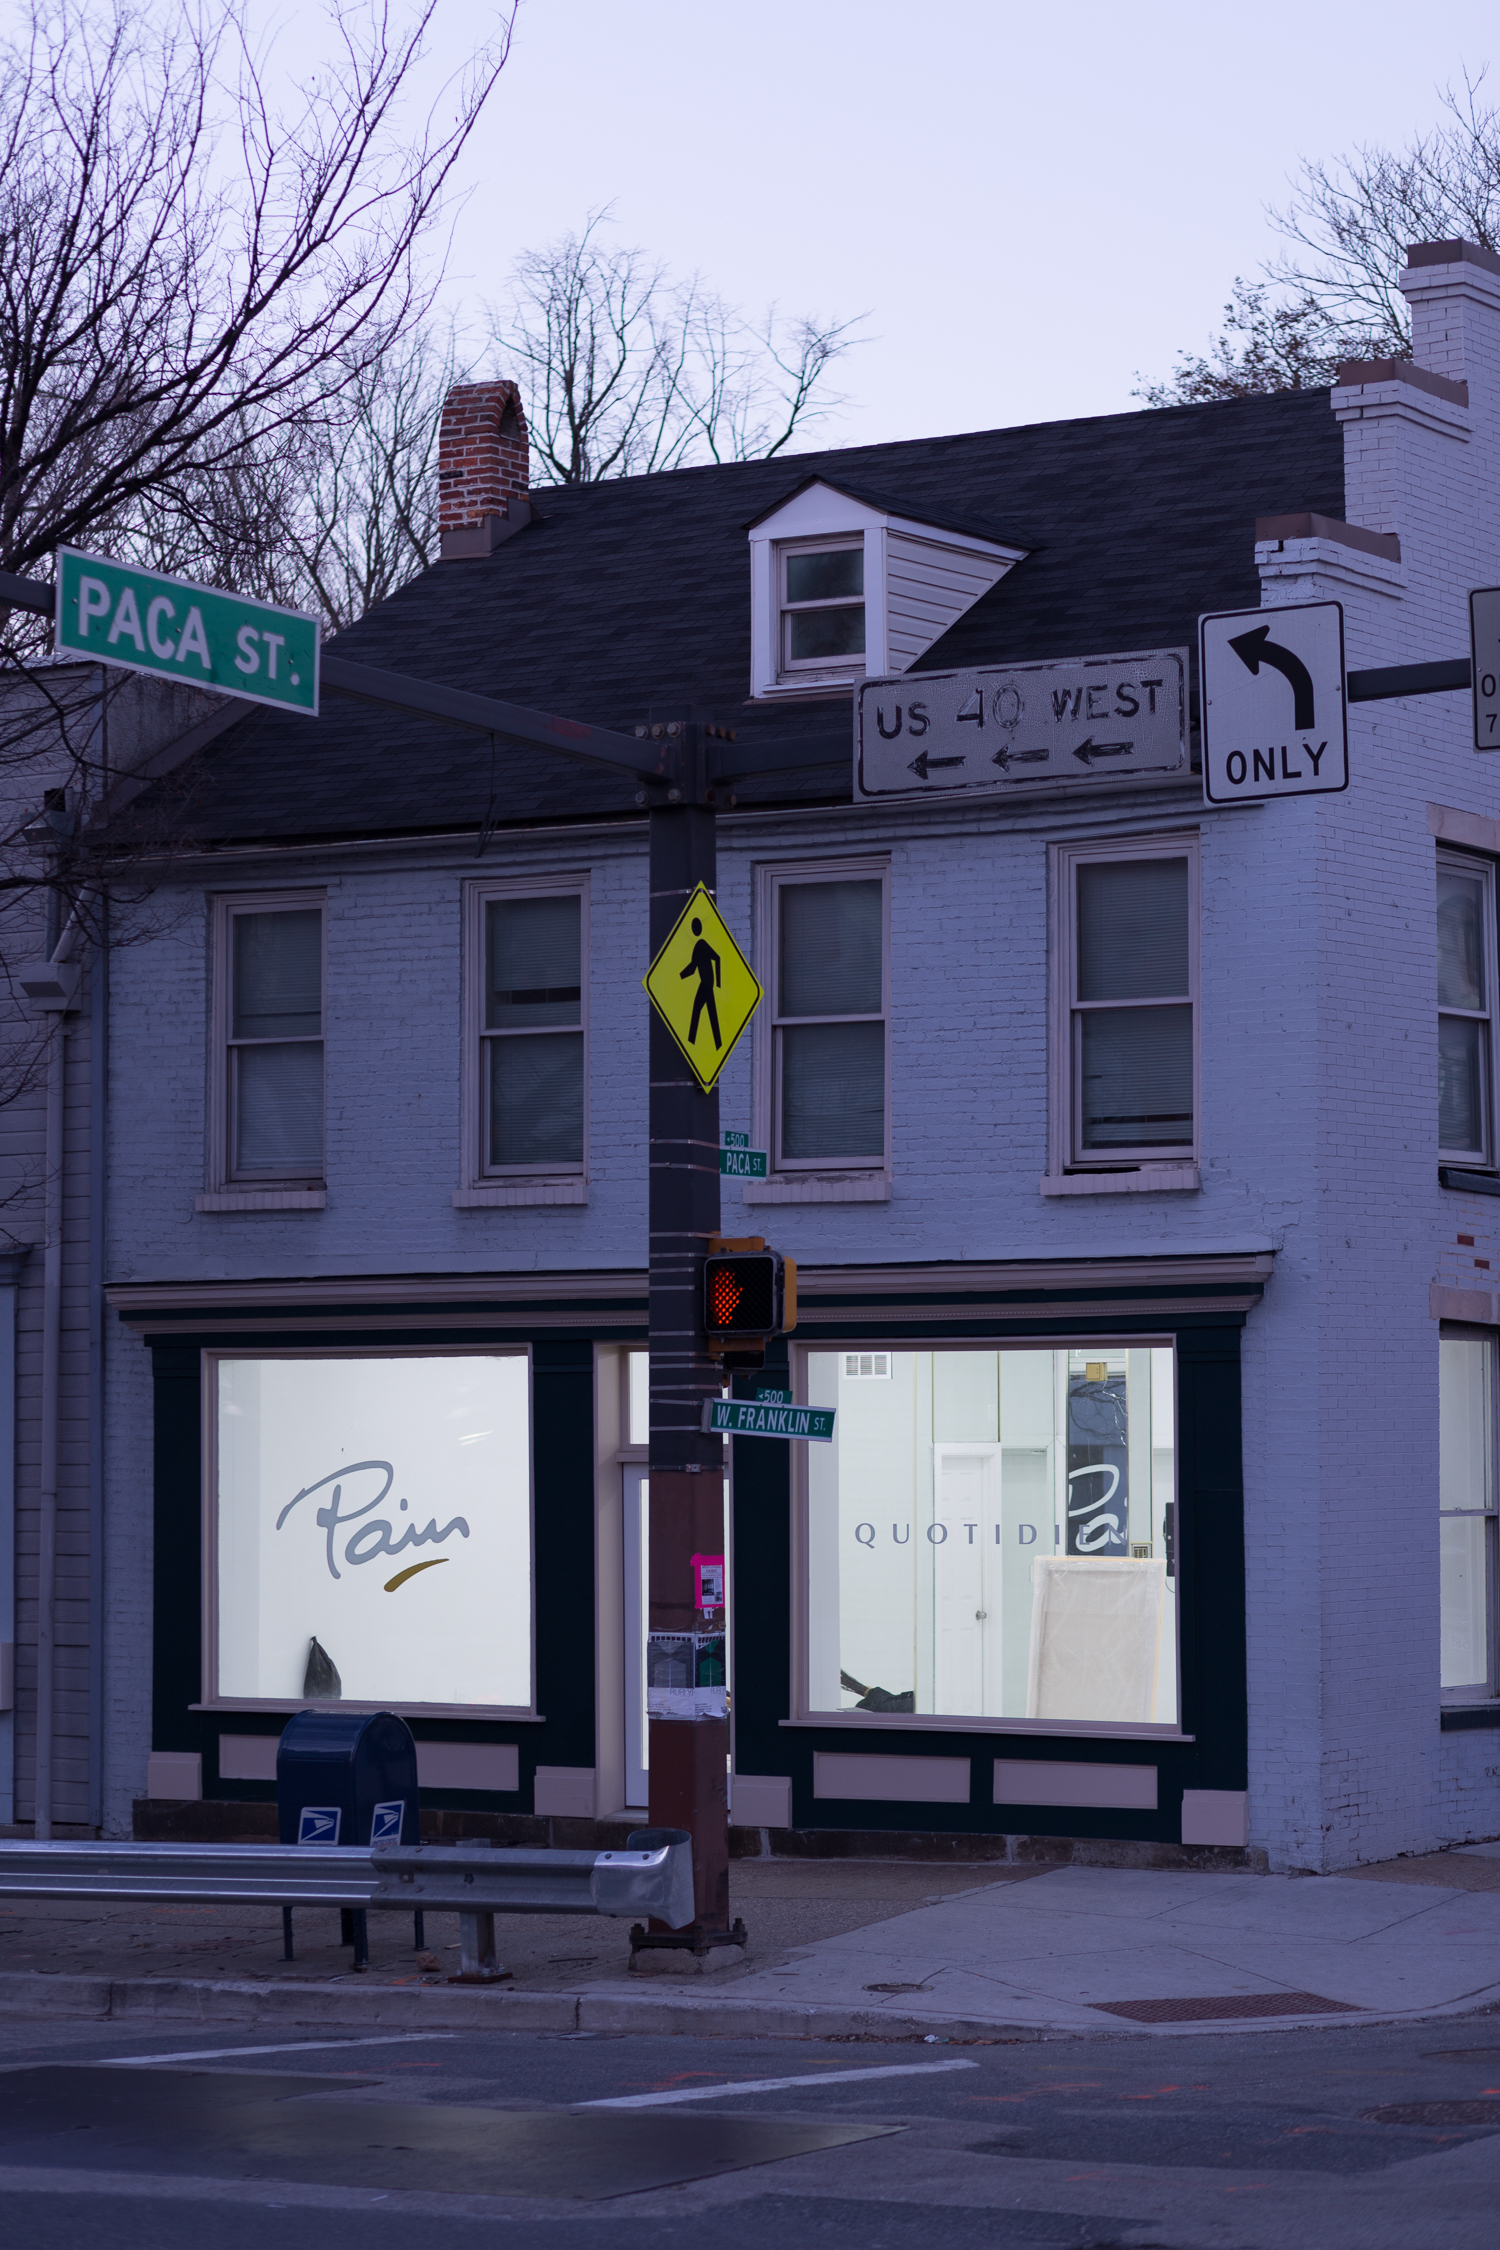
(858, 1950)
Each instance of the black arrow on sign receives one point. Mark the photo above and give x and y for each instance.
(1257, 648)
(920, 765)
(1005, 758)
(1091, 749)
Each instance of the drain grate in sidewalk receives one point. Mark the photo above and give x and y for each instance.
(1241, 2004)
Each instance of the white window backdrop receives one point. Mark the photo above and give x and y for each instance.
(992, 1535)
(382, 1508)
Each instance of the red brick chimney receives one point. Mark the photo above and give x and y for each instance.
(484, 469)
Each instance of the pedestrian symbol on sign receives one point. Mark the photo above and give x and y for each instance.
(703, 988)
(705, 966)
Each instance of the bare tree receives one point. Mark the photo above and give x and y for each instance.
(1332, 294)
(366, 520)
(1349, 222)
(212, 360)
(189, 279)
(1266, 344)
(627, 370)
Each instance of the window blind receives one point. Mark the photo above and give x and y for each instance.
(831, 948)
(1133, 930)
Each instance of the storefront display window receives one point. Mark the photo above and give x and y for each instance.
(372, 1530)
(992, 1535)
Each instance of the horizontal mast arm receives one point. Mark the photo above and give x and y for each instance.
(737, 761)
(397, 691)
(1393, 680)
(26, 593)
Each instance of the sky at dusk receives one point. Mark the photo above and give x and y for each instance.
(1029, 204)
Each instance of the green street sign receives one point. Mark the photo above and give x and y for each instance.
(744, 1163)
(742, 1417)
(177, 630)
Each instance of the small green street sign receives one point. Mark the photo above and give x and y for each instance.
(735, 1140)
(178, 630)
(742, 1417)
(743, 1163)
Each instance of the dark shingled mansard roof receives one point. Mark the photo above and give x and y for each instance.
(633, 597)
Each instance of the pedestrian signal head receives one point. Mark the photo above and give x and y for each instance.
(745, 1296)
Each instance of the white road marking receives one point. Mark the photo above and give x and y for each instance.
(291, 2047)
(775, 2085)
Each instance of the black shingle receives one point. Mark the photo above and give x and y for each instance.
(634, 596)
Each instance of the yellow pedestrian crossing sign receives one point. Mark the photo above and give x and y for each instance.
(703, 988)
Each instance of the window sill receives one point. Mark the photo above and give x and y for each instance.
(820, 1187)
(803, 691)
(1471, 1183)
(1150, 1179)
(512, 1192)
(1457, 1718)
(926, 1722)
(283, 1706)
(262, 1199)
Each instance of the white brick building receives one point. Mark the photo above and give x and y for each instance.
(362, 1109)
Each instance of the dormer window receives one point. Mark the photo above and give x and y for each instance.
(845, 586)
(823, 607)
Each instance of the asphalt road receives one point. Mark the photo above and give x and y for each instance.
(1339, 2136)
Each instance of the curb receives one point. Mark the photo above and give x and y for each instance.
(180, 2000)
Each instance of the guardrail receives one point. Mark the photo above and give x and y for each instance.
(653, 1876)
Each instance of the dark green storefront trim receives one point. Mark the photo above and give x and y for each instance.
(563, 1421)
(1206, 1319)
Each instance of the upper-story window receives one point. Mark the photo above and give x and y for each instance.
(1465, 946)
(823, 606)
(827, 1074)
(272, 1055)
(1125, 1021)
(843, 586)
(526, 1101)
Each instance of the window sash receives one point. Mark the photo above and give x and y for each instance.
(787, 609)
(237, 1048)
(780, 1023)
(1470, 1581)
(1480, 1147)
(1070, 1151)
(480, 1169)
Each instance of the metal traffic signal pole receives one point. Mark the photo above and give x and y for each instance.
(689, 1757)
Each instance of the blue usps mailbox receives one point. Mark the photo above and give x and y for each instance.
(347, 1777)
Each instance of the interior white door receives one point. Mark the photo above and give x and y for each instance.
(967, 1624)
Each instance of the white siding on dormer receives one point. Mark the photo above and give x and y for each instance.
(928, 587)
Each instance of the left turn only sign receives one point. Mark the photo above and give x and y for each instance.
(178, 630)
(703, 988)
(1274, 721)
